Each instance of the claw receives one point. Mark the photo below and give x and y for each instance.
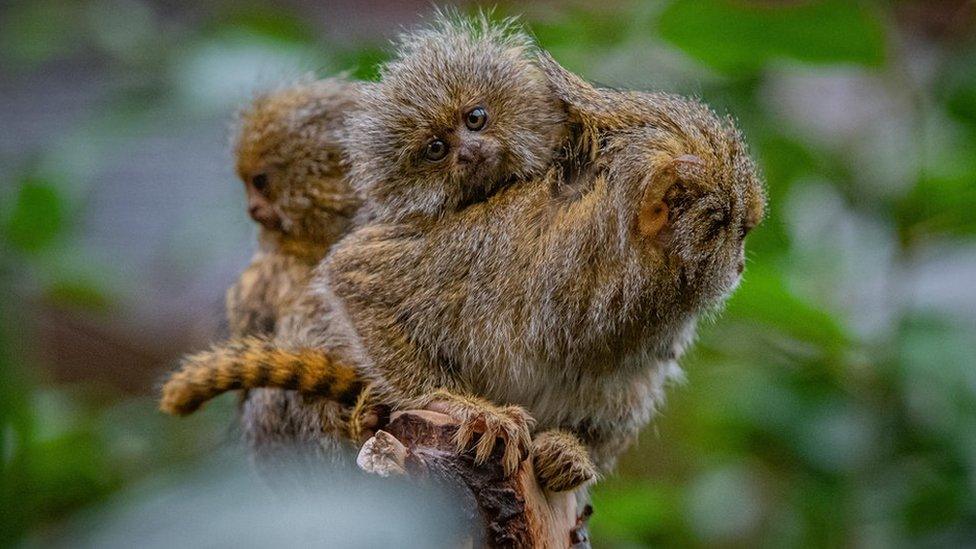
(486, 444)
(561, 462)
(510, 423)
(463, 435)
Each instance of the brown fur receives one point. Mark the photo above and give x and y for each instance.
(290, 139)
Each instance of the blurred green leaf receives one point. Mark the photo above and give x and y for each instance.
(576, 26)
(34, 31)
(634, 512)
(364, 62)
(69, 471)
(782, 161)
(275, 23)
(958, 88)
(744, 35)
(938, 499)
(938, 205)
(765, 300)
(81, 294)
(16, 430)
(38, 216)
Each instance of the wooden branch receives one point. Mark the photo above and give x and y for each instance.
(515, 511)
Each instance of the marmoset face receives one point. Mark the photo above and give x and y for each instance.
(462, 111)
(289, 158)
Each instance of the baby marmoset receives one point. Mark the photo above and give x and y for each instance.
(288, 154)
(460, 112)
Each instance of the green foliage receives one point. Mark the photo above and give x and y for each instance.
(277, 25)
(37, 218)
(944, 198)
(363, 63)
(744, 36)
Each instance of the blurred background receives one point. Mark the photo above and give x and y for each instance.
(832, 404)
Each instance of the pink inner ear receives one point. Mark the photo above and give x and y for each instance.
(689, 166)
(652, 218)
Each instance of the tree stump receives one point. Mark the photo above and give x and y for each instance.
(515, 511)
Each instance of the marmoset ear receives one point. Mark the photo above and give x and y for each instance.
(564, 84)
(652, 217)
(583, 102)
(652, 214)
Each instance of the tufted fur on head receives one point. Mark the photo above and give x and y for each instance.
(427, 93)
(288, 154)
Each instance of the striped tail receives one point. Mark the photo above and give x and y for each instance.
(253, 362)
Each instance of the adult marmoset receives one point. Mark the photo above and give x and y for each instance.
(574, 305)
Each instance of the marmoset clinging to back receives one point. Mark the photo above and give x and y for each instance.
(288, 155)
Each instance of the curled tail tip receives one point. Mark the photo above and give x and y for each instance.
(179, 409)
(171, 408)
(175, 402)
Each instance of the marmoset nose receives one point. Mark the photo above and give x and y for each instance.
(469, 153)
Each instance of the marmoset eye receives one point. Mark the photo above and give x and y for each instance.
(435, 150)
(476, 119)
(260, 182)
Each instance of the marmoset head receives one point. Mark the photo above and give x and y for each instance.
(290, 159)
(460, 111)
(701, 191)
